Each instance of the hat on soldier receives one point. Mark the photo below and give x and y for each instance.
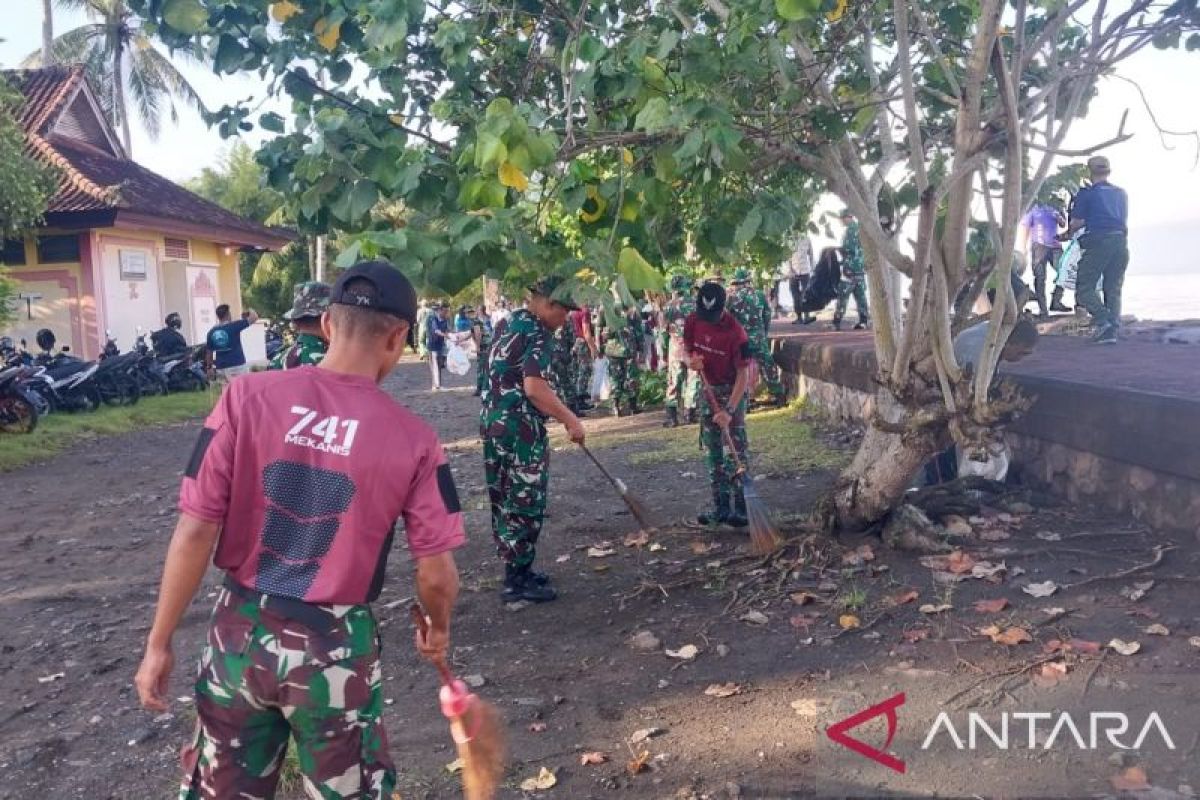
(710, 301)
(309, 300)
(680, 283)
(741, 275)
(551, 288)
(393, 294)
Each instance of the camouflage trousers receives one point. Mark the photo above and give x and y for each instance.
(481, 371)
(582, 357)
(855, 285)
(682, 383)
(720, 464)
(562, 376)
(264, 677)
(626, 376)
(517, 469)
(768, 371)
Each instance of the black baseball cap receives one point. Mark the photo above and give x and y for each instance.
(710, 301)
(394, 294)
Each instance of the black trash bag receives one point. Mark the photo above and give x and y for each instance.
(823, 287)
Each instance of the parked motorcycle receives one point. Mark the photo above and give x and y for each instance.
(185, 371)
(18, 410)
(117, 377)
(151, 377)
(66, 383)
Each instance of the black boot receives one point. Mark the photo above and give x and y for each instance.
(1056, 303)
(521, 583)
(672, 420)
(693, 416)
(720, 513)
(737, 517)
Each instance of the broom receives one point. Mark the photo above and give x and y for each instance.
(475, 726)
(764, 538)
(635, 505)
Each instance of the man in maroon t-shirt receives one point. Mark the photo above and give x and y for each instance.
(718, 348)
(297, 481)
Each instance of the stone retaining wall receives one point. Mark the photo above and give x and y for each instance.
(1128, 452)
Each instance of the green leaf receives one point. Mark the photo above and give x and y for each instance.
(271, 122)
(748, 227)
(666, 43)
(348, 256)
(639, 275)
(796, 10)
(362, 198)
(691, 145)
(185, 16)
(591, 49)
(384, 34)
(654, 116)
(490, 152)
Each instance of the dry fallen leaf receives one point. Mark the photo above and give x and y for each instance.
(914, 635)
(1050, 674)
(600, 552)
(904, 597)
(988, 571)
(701, 548)
(1138, 590)
(594, 757)
(639, 764)
(1054, 611)
(959, 563)
(537, 727)
(685, 653)
(545, 779)
(1084, 646)
(991, 606)
(1009, 636)
(930, 608)
(1133, 779)
(1044, 589)
(645, 733)
(849, 622)
(1157, 629)
(723, 690)
(455, 766)
(754, 618)
(803, 598)
(1125, 648)
(639, 539)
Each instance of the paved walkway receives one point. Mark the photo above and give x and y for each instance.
(1148, 367)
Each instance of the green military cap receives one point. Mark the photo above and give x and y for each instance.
(311, 298)
(681, 283)
(741, 275)
(551, 288)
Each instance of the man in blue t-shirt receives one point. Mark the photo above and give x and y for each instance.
(437, 332)
(225, 343)
(1102, 210)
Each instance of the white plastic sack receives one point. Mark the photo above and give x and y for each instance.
(994, 467)
(457, 360)
(1068, 265)
(601, 385)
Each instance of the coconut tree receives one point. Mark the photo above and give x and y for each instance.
(121, 58)
(47, 31)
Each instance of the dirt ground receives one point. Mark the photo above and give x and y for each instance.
(84, 536)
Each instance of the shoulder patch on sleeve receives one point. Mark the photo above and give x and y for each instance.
(197, 459)
(445, 479)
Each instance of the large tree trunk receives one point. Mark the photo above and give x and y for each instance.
(118, 96)
(47, 32)
(882, 470)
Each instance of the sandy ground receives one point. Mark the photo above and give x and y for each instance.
(84, 535)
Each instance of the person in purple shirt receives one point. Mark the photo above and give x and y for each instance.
(1039, 238)
(1102, 210)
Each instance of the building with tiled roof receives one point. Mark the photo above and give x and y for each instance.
(121, 246)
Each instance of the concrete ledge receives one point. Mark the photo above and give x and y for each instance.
(1128, 443)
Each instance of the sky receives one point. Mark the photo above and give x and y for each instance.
(1163, 184)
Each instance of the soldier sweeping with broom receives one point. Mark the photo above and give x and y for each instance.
(719, 349)
(296, 480)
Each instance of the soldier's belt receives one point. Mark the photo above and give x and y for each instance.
(310, 615)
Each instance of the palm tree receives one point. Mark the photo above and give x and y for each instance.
(47, 31)
(121, 57)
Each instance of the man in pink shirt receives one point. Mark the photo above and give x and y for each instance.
(297, 480)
